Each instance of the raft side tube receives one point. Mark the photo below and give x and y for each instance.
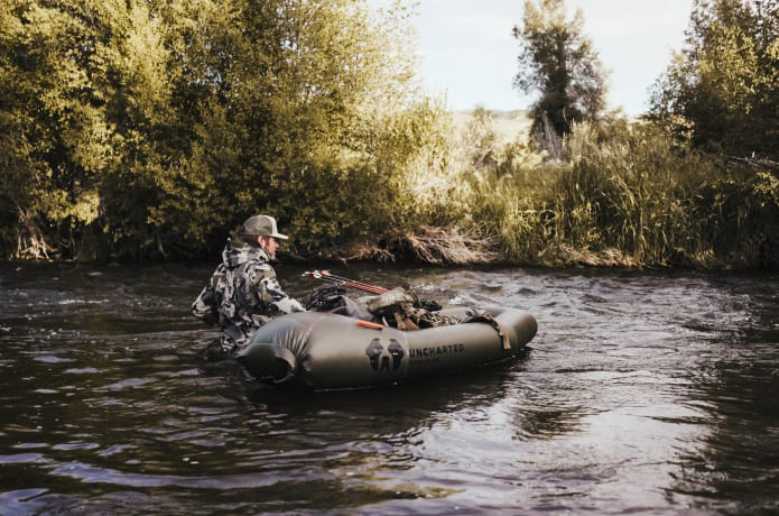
(468, 345)
(273, 353)
(328, 351)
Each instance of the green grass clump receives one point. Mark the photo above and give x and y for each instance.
(626, 195)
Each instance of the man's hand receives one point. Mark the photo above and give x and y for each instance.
(288, 305)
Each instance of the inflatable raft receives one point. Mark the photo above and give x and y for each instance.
(328, 351)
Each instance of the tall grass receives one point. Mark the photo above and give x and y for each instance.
(626, 195)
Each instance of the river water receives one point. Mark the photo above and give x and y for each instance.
(644, 392)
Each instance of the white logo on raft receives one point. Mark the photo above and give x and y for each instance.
(385, 361)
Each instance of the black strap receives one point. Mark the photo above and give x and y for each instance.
(480, 316)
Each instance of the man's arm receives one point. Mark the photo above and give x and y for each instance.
(270, 293)
(205, 305)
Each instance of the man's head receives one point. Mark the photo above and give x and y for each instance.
(262, 230)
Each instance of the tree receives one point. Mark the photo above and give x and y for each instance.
(152, 127)
(559, 61)
(54, 60)
(722, 90)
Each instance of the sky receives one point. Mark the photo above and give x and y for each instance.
(467, 54)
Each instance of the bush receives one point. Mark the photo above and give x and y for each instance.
(627, 195)
(180, 119)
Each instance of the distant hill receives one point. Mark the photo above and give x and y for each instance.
(509, 125)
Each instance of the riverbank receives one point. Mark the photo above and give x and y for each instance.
(480, 253)
(625, 196)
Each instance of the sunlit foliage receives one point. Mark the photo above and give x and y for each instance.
(722, 89)
(138, 129)
(627, 194)
(147, 128)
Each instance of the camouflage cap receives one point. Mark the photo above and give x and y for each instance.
(262, 225)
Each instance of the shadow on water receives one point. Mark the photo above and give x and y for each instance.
(734, 464)
(385, 430)
(394, 409)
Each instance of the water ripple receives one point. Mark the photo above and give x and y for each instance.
(646, 392)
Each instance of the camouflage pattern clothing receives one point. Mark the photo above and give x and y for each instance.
(241, 296)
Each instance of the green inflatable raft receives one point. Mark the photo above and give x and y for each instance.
(328, 351)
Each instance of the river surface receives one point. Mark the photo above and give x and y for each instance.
(644, 393)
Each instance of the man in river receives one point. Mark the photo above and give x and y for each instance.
(243, 292)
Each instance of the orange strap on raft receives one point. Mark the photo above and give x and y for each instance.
(370, 325)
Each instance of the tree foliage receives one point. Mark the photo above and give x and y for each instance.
(558, 60)
(150, 128)
(147, 127)
(722, 89)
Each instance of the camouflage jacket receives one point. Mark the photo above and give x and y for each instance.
(241, 295)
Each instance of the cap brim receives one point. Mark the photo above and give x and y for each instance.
(280, 236)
